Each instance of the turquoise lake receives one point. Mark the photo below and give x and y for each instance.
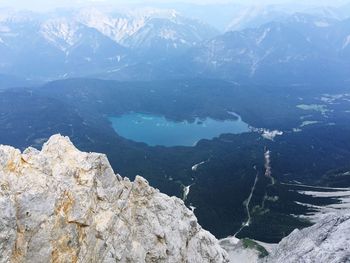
(157, 130)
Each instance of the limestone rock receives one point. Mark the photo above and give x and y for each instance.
(63, 205)
(328, 241)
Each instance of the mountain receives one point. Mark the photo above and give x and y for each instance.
(10, 81)
(255, 16)
(55, 47)
(83, 48)
(326, 241)
(298, 50)
(148, 28)
(153, 44)
(169, 36)
(63, 205)
(71, 43)
(235, 16)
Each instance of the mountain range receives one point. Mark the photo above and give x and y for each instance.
(302, 48)
(283, 72)
(161, 43)
(67, 43)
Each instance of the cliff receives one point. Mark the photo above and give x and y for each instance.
(63, 205)
(328, 241)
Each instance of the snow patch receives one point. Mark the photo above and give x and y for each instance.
(307, 123)
(196, 166)
(321, 24)
(263, 36)
(341, 194)
(346, 42)
(168, 34)
(238, 253)
(297, 130)
(331, 98)
(61, 32)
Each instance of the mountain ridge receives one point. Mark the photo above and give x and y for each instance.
(64, 205)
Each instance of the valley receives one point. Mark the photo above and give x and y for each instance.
(80, 108)
(244, 117)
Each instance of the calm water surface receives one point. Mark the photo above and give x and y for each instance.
(157, 130)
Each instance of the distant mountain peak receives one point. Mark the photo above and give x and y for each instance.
(62, 32)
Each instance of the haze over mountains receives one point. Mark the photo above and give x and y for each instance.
(89, 41)
(301, 47)
(282, 71)
(151, 43)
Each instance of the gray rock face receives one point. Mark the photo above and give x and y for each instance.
(63, 205)
(325, 242)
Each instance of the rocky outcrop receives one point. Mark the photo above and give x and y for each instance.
(328, 241)
(63, 205)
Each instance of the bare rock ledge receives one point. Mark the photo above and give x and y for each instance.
(328, 241)
(63, 205)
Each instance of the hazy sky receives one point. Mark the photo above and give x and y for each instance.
(48, 4)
